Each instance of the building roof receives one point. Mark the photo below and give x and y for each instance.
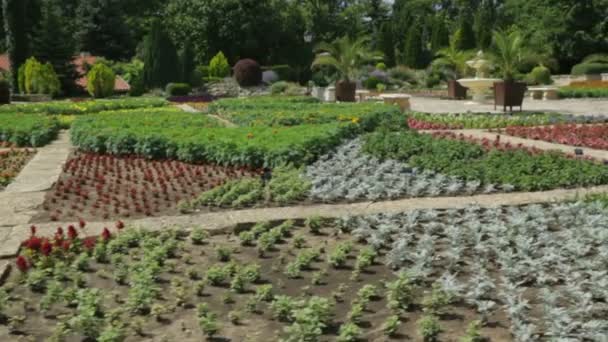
(80, 62)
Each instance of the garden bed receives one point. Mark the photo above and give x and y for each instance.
(97, 187)
(502, 273)
(83, 107)
(11, 163)
(27, 130)
(592, 136)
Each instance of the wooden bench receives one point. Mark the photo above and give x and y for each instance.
(545, 93)
(402, 100)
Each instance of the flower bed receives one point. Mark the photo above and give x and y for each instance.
(273, 111)
(592, 136)
(97, 187)
(504, 273)
(27, 130)
(582, 92)
(193, 138)
(84, 107)
(11, 162)
(524, 169)
(426, 121)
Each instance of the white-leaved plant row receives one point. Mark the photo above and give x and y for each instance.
(545, 267)
(349, 174)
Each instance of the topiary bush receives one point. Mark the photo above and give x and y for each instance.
(5, 92)
(100, 81)
(589, 69)
(37, 78)
(539, 75)
(178, 89)
(218, 66)
(248, 73)
(381, 66)
(371, 83)
(279, 87)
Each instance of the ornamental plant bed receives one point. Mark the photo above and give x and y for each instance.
(194, 138)
(11, 162)
(98, 187)
(27, 130)
(84, 107)
(592, 136)
(500, 274)
(427, 121)
(485, 161)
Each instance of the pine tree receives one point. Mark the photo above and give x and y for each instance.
(102, 29)
(160, 58)
(186, 62)
(17, 35)
(59, 52)
(413, 55)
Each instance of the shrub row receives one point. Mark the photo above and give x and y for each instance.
(83, 107)
(28, 130)
(488, 121)
(194, 138)
(469, 161)
(580, 92)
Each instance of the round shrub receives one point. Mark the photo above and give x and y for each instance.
(100, 81)
(218, 66)
(371, 83)
(37, 78)
(5, 92)
(248, 73)
(270, 77)
(540, 75)
(279, 87)
(589, 69)
(381, 66)
(178, 89)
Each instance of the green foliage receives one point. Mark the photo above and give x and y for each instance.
(338, 257)
(349, 332)
(469, 161)
(178, 89)
(391, 325)
(208, 324)
(17, 22)
(345, 55)
(84, 107)
(473, 333)
(282, 308)
(279, 87)
(218, 66)
(371, 83)
(314, 224)
(399, 293)
(186, 63)
(414, 54)
(428, 327)
(539, 75)
(28, 130)
(160, 58)
(582, 92)
(39, 78)
(199, 235)
(488, 121)
(100, 81)
(510, 52)
(589, 68)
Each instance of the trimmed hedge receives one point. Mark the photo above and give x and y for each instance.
(84, 107)
(581, 92)
(178, 89)
(589, 69)
(193, 138)
(28, 130)
(248, 73)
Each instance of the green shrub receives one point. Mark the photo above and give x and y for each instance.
(279, 87)
(381, 66)
(85, 107)
(5, 92)
(39, 78)
(248, 73)
(539, 75)
(100, 81)
(218, 66)
(581, 92)
(178, 89)
(589, 69)
(28, 130)
(371, 83)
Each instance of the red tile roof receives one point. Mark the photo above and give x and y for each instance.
(120, 85)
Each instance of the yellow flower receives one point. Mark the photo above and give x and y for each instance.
(250, 136)
(355, 120)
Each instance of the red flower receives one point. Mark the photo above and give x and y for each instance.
(22, 264)
(106, 235)
(59, 232)
(32, 230)
(66, 245)
(72, 233)
(33, 243)
(46, 248)
(81, 223)
(89, 242)
(120, 224)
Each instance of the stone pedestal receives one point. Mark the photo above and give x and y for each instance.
(401, 100)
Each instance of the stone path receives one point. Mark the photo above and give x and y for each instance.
(187, 108)
(566, 106)
(543, 145)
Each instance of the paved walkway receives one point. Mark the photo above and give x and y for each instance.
(543, 145)
(187, 108)
(566, 106)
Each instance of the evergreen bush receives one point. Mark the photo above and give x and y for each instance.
(539, 75)
(218, 66)
(100, 81)
(178, 89)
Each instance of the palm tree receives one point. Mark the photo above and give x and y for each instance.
(511, 52)
(452, 59)
(347, 56)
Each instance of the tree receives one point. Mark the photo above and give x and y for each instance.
(510, 52)
(186, 63)
(48, 48)
(485, 17)
(452, 60)
(465, 35)
(17, 37)
(413, 54)
(346, 55)
(439, 35)
(160, 58)
(100, 81)
(102, 30)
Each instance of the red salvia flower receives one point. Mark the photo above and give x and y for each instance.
(81, 223)
(89, 242)
(106, 235)
(66, 245)
(32, 230)
(22, 264)
(72, 233)
(120, 224)
(33, 243)
(46, 248)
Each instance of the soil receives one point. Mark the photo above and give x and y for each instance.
(96, 187)
(11, 163)
(182, 324)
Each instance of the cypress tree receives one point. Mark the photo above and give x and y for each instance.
(160, 58)
(59, 52)
(439, 35)
(186, 63)
(466, 35)
(387, 43)
(484, 23)
(413, 54)
(17, 37)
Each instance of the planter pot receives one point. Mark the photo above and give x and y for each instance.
(330, 94)
(456, 90)
(346, 91)
(509, 94)
(318, 92)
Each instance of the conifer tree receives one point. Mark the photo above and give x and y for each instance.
(160, 58)
(413, 54)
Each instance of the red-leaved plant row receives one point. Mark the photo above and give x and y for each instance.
(496, 144)
(96, 186)
(592, 136)
(63, 242)
(424, 125)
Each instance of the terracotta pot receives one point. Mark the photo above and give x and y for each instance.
(509, 94)
(456, 90)
(346, 91)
